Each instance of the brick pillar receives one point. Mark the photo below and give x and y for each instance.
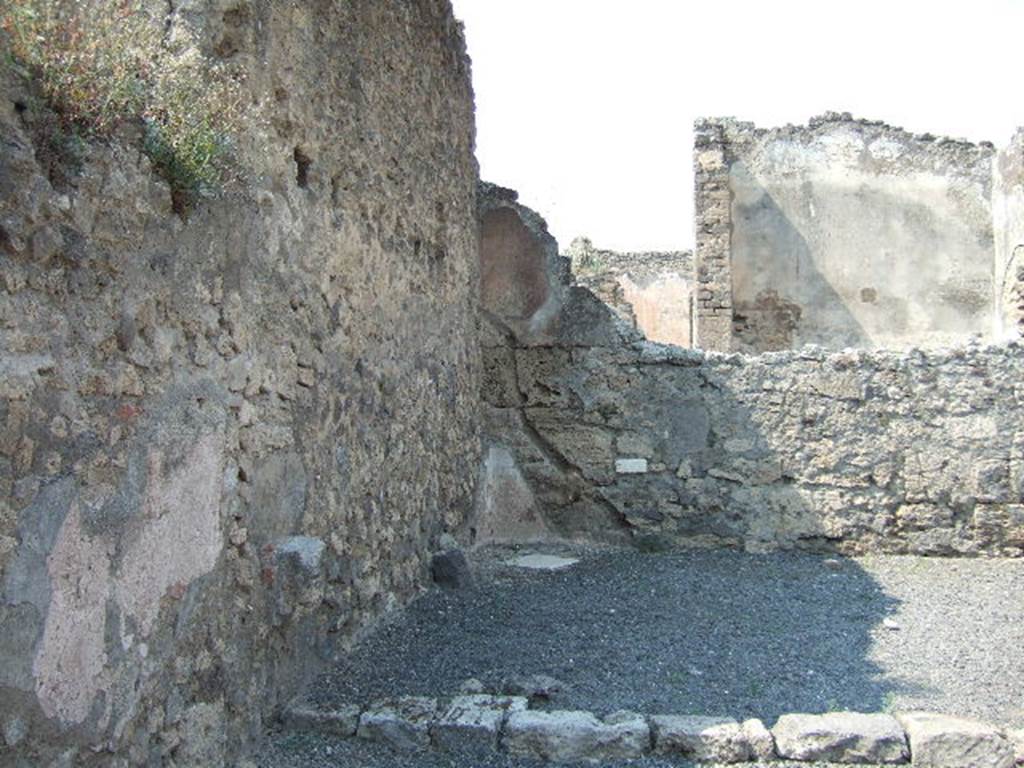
(713, 326)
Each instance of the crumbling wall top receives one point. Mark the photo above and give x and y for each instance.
(892, 147)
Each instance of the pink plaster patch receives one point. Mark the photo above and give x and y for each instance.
(69, 665)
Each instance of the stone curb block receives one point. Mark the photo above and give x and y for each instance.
(341, 721)
(564, 735)
(712, 739)
(841, 737)
(402, 723)
(941, 741)
(474, 719)
(484, 720)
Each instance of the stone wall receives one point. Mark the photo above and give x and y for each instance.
(843, 233)
(1008, 217)
(230, 441)
(605, 435)
(652, 290)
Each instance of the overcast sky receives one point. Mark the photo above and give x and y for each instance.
(586, 107)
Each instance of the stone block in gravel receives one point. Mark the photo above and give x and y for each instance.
(1017, 741)
(941, 741)
(711, 739)
(403, 723)
(337, 721)
(474, 720)
(572, 735)
(841, 737)
(450, 569)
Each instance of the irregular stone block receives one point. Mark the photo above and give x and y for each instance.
(941, 741)
(303, 552)
(336, 721)
(451, 569)
(841, 737)
(714, 739)
(573, 735)
(403, 723)
(474, 719)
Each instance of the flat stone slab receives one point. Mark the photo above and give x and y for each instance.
(474, 719)
(631, 466)
(542, 562)
(841, 737)
(711, 739)
(941, 741)
(564, 736)
(337, 721)
(403, 723)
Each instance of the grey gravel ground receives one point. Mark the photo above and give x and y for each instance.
(708, 633)
(307, 751)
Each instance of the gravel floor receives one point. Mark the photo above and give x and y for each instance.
(706, 633)
(306, 751)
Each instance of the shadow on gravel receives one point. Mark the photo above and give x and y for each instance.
(702, 632)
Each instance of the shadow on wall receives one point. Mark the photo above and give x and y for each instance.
(780, 298)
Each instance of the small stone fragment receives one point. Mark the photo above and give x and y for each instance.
(14, 731)
(474, 720)
(404, 723)
(841, 737)
(336, 721)
(712, 739)
(533, 687)
(542, 562)
(941, 741)
(471, 686)
(450, 569)
(573, 735)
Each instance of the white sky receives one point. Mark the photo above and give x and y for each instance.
(586, 107)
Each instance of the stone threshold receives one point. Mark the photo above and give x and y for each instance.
(508, 723)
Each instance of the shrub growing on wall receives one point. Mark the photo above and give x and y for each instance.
(102, 63)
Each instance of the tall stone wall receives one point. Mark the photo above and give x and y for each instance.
(605, 435)
(231, 441)
(1008, 217)
(843, 233)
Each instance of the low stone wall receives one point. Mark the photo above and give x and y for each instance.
(605, 435)
(497, 721)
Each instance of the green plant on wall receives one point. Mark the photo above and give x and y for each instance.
(100, 64)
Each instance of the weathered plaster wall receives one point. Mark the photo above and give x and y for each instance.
(229, 442)
(652, 290)
(620, 438)
(848, 233)
(1008, 218)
